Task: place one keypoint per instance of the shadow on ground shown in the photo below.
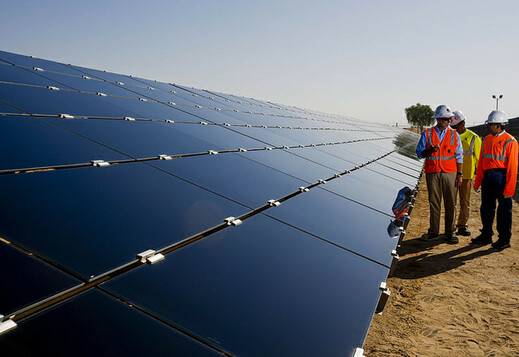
(428, 263)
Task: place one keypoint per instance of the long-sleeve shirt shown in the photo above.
(499, 152)
(422, 144)
(471, 148)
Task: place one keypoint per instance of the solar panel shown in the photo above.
(188, 221)
(258, 288)
(96, 324)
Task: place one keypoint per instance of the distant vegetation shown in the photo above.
(419, 115)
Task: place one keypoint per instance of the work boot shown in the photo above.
(463, 231)
(428, 237)
(500, 244)
(481, 239)
(451, 238)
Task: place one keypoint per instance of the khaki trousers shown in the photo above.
(464, 193)
(441, 185)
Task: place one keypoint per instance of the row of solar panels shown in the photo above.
(265, 227)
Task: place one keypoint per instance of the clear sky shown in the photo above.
(367, 59)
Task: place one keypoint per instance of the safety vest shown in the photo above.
(471, 150)
(494, 155)
(443, 160)
(499, 152)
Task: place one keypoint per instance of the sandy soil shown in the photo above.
(450, 300)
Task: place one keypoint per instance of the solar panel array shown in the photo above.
(146, 217)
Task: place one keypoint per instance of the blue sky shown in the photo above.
(367, 59)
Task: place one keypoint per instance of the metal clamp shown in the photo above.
(120, 83)
(383, 297)
(129, 119)
(150, 257)
(170, 121)
(7, 325)
(52, 88)
(86, 77)
(273, 203)
(198, 106)
(203, 123)
(212, 152)
(100, 163)
(359, 352)
(38, 69)
(66, 116)
(233, 221)
(303, 189)
(242, 150)
(101, 94)
(165, 157)
(172, 103)
(226, 124)
(143, 99)
(323, 182)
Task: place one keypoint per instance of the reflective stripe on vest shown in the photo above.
(500, 157)
(453, 136)
(471, 147)
(429, 136)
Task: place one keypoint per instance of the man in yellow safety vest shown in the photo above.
(471, 148)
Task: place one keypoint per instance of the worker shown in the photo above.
(471, 143)
(496, 175)
(443, 152)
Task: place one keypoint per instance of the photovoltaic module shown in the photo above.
(143, 217)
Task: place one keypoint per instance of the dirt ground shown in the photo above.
(450, 300)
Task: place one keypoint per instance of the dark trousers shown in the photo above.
(492, 188)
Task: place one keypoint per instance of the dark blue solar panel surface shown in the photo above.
(34, 142)
(302, 287)
(26, 280)
(340, 221)
(94, 324)
(99, 218)
(298, 279)
(144, 139)
(37, 100)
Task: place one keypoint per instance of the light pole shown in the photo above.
(497, 100)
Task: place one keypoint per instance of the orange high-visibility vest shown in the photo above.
(499, 152)
(443, 160)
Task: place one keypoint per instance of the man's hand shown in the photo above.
(431, 150)
(459, 181)
(506, 196)
(477, 190)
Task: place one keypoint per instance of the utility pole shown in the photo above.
(497, 100)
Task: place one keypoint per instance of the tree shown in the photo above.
(419, 115)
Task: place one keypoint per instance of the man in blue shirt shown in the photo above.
(443, 166)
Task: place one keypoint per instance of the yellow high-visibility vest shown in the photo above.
(471, 149)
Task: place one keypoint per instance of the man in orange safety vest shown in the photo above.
(443, 152)
(497, 176)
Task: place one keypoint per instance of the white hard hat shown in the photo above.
(443, 111)
(458, 117)
(496, 117)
